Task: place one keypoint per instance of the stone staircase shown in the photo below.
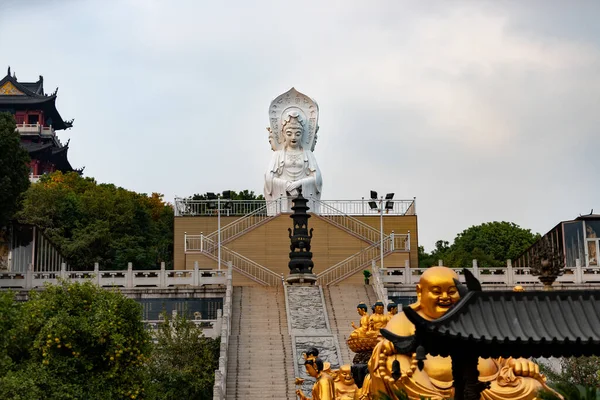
(341, 302)
(260, 363)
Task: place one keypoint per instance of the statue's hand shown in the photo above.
(300, 394)
(293, 185)
(353, 325)
(524, 367)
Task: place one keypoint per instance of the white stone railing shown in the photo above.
(220, 386)
(509, 275)
(378, 284)
(210, 327)
(24, 129)
(129, 278)
(188, 207)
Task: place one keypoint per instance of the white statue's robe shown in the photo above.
(287, 167)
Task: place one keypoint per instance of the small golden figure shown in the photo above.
(344, 384)
(392, 309)
(377, 320)
(363, 328)
(362, 339)
(324, 388)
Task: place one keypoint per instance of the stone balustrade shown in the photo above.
(210, 327)
(129, 278)
(220, 386)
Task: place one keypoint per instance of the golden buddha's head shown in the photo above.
(392, 308)
(313, 366)
(361, 309)
(437, 291)
(378, 307)
(345, 375)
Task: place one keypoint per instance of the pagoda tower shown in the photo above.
(37, 122)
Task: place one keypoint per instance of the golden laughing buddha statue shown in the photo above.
(515, 379)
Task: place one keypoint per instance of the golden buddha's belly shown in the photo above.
(440, 368)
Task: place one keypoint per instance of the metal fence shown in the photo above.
(190, 208)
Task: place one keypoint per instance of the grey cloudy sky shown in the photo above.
(483, 111)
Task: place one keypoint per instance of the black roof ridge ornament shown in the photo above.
(8, 72)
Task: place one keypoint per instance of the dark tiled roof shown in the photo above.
(34, 96)
(526, 324)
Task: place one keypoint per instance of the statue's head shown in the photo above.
(437, 291)
(345, 375)
(361, 308)
(392, 308)
(293, 128)
(313, 366)
(378, 307)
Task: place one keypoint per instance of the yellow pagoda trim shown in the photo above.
(8, 89)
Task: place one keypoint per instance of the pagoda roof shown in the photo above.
(517, 324)
(30, 95)
(52, 153)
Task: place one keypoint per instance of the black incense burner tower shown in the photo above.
(301, 263)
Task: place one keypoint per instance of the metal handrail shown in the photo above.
(241, 225)
(243, 265)
(189, 207)
(343, 220)
(353, 264)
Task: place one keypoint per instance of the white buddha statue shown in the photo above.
(293, 163)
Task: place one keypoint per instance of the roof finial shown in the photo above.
(8, 73)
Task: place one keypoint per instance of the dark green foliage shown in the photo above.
(243, 195)
(183, 363)
(103, 223)
(491, 244)
(73, 341)
(14, 172)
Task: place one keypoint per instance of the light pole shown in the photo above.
(227, 196)
(389, 204)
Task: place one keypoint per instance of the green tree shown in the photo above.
(103, 223)
(14, 172)
(427, 260)
(183, 363)
(490, 243)
(73, 341)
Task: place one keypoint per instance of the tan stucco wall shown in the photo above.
(269, 243)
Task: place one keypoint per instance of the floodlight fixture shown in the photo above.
(211, 205)
(389, 204)
(373, 195)
(226, 194)
(373, 205)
